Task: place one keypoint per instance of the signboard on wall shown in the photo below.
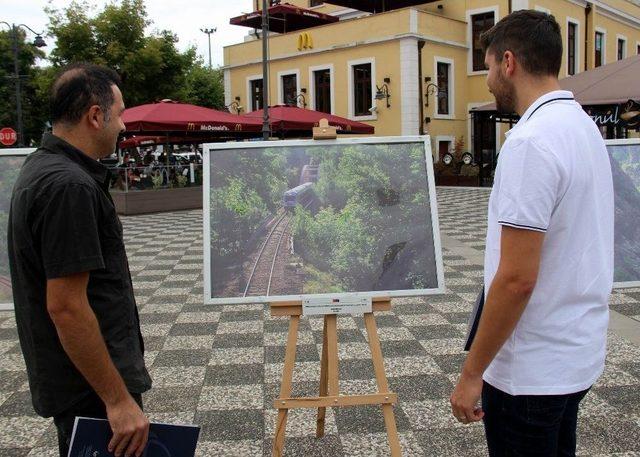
(292, 220)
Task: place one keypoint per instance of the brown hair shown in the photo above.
(532, 36)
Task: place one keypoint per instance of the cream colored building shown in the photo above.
(341, 66)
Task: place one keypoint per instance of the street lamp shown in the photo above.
(39, 43)
(209, 32)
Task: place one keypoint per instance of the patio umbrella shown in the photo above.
(290, 119)
(170, 117)
(284, 18)
(378, 6)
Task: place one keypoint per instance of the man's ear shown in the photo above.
(509, 63)
(95, 117)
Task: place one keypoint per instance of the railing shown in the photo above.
(126, 178)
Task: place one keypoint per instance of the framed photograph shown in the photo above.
(11, 161)
(289, 220)
(625, 167)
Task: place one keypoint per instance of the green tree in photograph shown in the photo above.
(375, 206)
(247, 189)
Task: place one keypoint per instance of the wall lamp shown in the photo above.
(301, 99)
(382, 92)
(431, 89)
(234, 107)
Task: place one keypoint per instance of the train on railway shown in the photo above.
(300, 195)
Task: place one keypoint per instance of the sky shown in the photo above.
(184, 18)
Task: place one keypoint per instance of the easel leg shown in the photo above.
(332, 355)
(383, 385)
(323, 381)
(285, 388)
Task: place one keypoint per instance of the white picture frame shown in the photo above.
(617, 283)
(209, 149)
(9, 152)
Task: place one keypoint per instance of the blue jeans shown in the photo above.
(530, 425)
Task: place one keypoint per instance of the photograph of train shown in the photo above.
(625, 166)
(311, 218)
(9, 169)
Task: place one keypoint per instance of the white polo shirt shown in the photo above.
(554, 176)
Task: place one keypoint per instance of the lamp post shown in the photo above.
(266, 129)
(38, 42)
(209, 32)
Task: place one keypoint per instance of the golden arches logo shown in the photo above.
(305, 41)
(238, 127)
(191, 126)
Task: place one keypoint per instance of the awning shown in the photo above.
(284, 18)
(610, 84)
(170, 116)
(290, 119)
(378, 6)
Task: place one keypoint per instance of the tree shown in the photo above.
(151, 66)
(32, 116)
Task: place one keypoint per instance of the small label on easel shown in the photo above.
(338, 305)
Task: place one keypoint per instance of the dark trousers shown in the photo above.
(530, 425)
(89, 406)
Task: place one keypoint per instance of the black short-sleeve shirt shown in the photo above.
(62, 221)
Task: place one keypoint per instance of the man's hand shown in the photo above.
(130, 428)
(465, 397)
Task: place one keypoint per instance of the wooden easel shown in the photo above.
(329, 390)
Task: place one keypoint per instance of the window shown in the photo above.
(289, 89)
(480, 23)
(322, 89)
(315, 2)
(256, 94)
(444, 75)
(571, 48)
(599, 46)
(362, 93)
(622, 44)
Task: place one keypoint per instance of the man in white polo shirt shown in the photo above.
(541, 341)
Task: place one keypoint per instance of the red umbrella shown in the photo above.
(149, 140)
(169, 116)
(378, 6)
(285, 118)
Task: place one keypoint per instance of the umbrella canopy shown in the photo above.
(290, 118)
(610, 84)
(378, 6)
(284, 18)
(151, 140)
(170, 116)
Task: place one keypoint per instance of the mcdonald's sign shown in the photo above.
(305, 41)
(238, 127)
(191, 126)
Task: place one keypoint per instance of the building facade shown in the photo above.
(427, 59)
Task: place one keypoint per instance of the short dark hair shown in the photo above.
(80, 86)
(534, 38)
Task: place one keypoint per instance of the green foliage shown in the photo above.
(247, 188)
(151, 66)
(372, 198)
(33, 116)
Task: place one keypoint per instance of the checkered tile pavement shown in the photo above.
(220, 366)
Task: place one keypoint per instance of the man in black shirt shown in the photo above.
(75, 310)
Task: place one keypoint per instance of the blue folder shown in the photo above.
(91, 437)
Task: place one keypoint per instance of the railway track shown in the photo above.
(261, 276)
